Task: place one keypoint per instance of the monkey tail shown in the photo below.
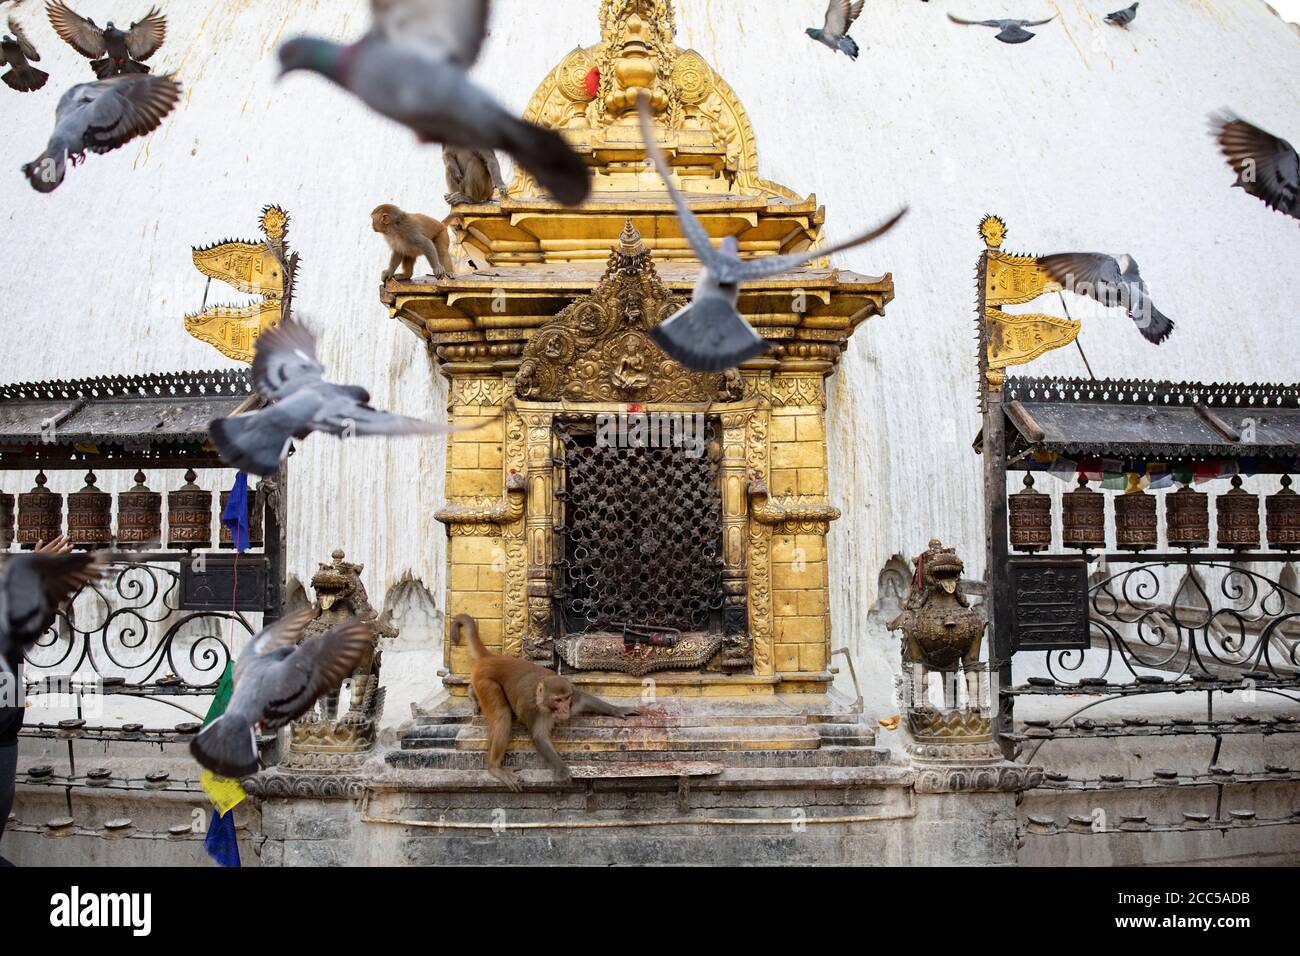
(549, 158)
(47, 171)
(466, 625)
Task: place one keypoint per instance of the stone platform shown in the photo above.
(776, 780)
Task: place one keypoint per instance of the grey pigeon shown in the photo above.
(286, 370)
(277, 679)
(18, 54)
(1267, 166)
(31, 589)
(1112, 282)
(112, 52)
(840, 17)
(709, 335)
(412, 67)
(100, 117)
(1122, 18)
(1009, 31)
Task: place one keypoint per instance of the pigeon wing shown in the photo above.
(146, 36)
(974, 23)
(454, 29)
(695, 233)
(126, 107)
(317, 667)
(1093, 274)
(839, 14)
(1037, 23)
(284, 632)
(63, 575)
(24, 44)
(769, 266)
(1267, 166)
(361, 419)
(81, 33)
(285, 360)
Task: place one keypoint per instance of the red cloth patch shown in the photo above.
(593, 82)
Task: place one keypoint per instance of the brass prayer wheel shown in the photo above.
(1083, 518)
(1030, 515)
(1187, 519)
(1137, 528)
(6, 521)
(90, 517)
(254, 522)
(1284, 518)
(189, 516)
(139, 516)
(1238, 518)
(40, 515)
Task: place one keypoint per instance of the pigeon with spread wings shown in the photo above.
(276, 680)
(1114, 282)
(709, 335)
(19, 55)
(1267, 166)
(100, 117)
(31, 590)
(112, 52)
(286, 371)
(834, 33)
(412, 67)
(1009, 31)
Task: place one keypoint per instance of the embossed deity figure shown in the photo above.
(941, 631)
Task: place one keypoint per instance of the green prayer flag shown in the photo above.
(225, 687)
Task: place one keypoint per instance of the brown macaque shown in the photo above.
(507, 687)
(410, 236)
(473, 175)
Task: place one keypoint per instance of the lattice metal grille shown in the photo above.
(641, 537)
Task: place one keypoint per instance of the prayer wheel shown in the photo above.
(40, 515)
(1238, 518)
(6, 521)
(1030, 514)
(254, 522)
(1284, 518)
(1187, 519)
(90, 517)
(1137, 527)
(139, 516)
(1083, 518)
(189, 516)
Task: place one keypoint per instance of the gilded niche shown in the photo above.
(597, 350)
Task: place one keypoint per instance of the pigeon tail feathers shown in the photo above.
(850, 47)
(226, 747)
(549, 158)
(28, 80)
(708, 335)
(47, 171)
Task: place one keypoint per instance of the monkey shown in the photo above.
(473, 175)
(507, 687)
(410, 236)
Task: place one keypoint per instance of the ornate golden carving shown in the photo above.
(486, 517)
(792, 514)
(484, 392)
(597, 350)
(255, 268)
(798, 391)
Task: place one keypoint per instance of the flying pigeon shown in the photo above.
(840, 17)
(18, 54)
(1267, 166)
(100, 117)
(1009, 31)
(286, 370)
(31, 590)
(1112, 282)
(277, 679)
(709, 335)
(1122, 18)
(412, 67)
(111, 51)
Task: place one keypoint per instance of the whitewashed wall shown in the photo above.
(1088, 137)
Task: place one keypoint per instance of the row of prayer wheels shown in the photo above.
(1137, 525)
(139, 517)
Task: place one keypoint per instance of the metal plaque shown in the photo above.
(1049, 603)
(224, 582)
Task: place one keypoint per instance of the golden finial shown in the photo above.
(274, 222)
(630, 244)
(994, 230)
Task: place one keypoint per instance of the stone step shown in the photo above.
(527, 758)
(595, 734)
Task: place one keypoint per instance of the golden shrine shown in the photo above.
(545, 340)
